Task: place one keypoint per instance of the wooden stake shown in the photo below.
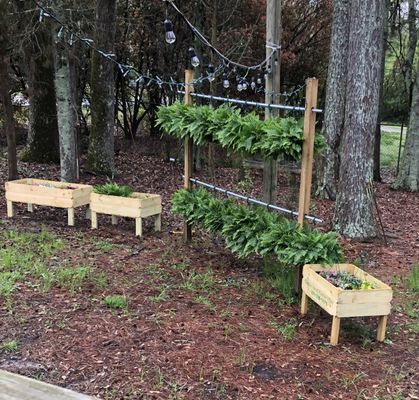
(308, 150)
(188, 157)
(334, 336)
(382, 324)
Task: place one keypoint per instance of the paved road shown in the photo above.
(392, 129)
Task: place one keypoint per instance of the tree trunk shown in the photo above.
(411, 48)
(66, 108)
(101, 141)
(408, 177)
(335, 99)
(9, 123)
(377, 141)
(354, 205)
(43, 144)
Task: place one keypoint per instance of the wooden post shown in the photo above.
(70, 216)
(382, 324)
(334, 335)
(304, 304)
(272, 84)
(10, 211)
(308, 150)
(188, 155)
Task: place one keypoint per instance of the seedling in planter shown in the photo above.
(345, 280)
(116, 301)
(113, 189)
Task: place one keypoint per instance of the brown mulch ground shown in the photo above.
(212, 337)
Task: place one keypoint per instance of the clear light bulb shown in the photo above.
(253, 84)
(244, 85)
(259, 80)
(170, 35)
(226, 82)
(194, 58)
(239, 87)
(211, 73)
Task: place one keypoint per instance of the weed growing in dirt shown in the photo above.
(414, 279)
(196, 281)
(161, 296)
(9, 346)
(104, 246)
(206, 302)
(73, 278)
(286, 330)
(116, 301)
(100, 280)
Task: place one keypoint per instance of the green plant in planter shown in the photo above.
(113, 189)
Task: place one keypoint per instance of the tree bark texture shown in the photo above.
(408, 177)
(101, 140)
(334, 115)
(66, 107)
(42, 144)
(354, 205)
(411, 47)
(9, 123)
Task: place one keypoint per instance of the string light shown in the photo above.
(169, 34)
(226, 82)
(194, 58)
(211, 73)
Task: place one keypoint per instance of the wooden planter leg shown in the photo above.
(10, 212)
(88, 213)
(114, 220)
(334, 336)
(138, 227)
(30, 207)
(381, 331)
(304, 303)
(157, 223)
(94, 219)
(70, 214)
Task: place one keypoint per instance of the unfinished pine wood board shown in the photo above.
(47, 193)
(17, 387)
(342, 303)
(137, 205)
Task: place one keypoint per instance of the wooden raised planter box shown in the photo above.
(137, 205)
(47, 193)
(342, 303)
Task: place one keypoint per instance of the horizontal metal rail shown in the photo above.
(252, 200)
(250, 103)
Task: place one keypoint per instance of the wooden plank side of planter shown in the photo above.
(344, 310)
(148, 211)
(41, 200)
(119, 211)
(326, 296)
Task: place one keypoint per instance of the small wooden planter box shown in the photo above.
(346, 303)
(47, 193)
(138, 206)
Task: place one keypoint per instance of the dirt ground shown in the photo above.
(199, 323)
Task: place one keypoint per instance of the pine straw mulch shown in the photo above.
(201, 324)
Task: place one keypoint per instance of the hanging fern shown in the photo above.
(254, 230)
(246, 134)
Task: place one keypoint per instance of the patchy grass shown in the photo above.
(116, 301)
(389, 151)
(286, 330)
(9, 346)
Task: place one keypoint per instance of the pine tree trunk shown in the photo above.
(335, 99)
(408, 177)
(66, 107)
(43, 128)
(9, 123)
(101, 140)
(411, 47)
(354, 205)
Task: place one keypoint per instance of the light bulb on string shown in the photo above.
(253, 84)
(194, 58)
(211, 73)
(239, 87)
(226, 82)
(259, 80)
(244, 84)
(169, 34)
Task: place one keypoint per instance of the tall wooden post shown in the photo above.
(188, 155)
(272, 84)
(308, 149)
